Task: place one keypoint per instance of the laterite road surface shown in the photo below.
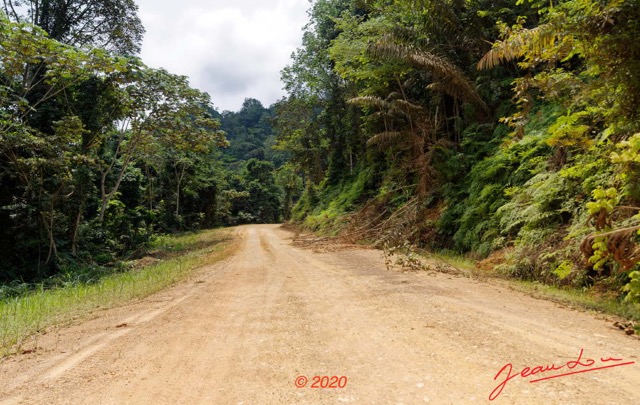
(249, 329)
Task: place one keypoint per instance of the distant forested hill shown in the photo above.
(250, 133)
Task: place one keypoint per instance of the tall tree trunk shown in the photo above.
(103, 188)
(75, 231)
(48, 224)
(179, 178)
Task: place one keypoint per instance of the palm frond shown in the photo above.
(408, 106)
(532, 42)
(386, 138)
(446, 88)
(386, 47)
(370, 101)
(392, 107)
(394, 95)
(436, 65)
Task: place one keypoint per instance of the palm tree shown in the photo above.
(409, 125)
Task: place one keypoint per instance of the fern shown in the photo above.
(567, 132)
(533, 44)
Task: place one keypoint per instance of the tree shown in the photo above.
(257, 198)
(39, 162)
(108, 24)
(291, 184)
(79, 128)
(158, 107)
(249, 130)
(316, 117)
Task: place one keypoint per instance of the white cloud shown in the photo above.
(232, 50)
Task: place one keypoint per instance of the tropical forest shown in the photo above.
(504, 132)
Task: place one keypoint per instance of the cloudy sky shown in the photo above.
(231, 49)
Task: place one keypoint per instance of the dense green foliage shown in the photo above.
(99, 153)
(256, 182)
(406, 125)
(250, 134)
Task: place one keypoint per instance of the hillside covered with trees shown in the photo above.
(505, 130)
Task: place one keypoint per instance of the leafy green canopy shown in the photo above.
(112, 25)
(97, 153)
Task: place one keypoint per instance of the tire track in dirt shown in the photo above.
(273, 312)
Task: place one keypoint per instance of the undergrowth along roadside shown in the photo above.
(581, 299)
(24, 316)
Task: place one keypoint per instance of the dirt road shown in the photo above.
(246, 329)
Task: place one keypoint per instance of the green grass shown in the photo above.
(580, 299)
(31, 313)
(455, 260)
